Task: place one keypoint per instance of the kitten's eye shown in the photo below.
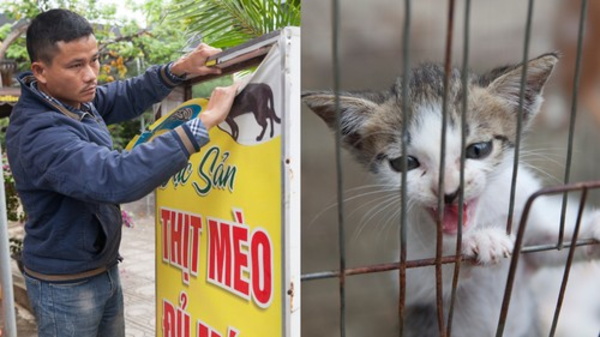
(479, 150)
(411, 163)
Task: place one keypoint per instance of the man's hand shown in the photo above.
(193, 63)
(219, 104)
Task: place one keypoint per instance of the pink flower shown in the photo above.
(127, 219)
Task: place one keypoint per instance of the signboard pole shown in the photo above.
(6, 285)
(291, 210)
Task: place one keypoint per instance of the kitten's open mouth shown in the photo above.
(450, 218)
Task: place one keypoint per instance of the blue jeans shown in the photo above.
(89, 308)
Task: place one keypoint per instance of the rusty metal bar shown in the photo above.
(511, 209)
(575, 96)
(563, 286)
(580, 186)
(545, 248)
(403, 192)
(513, 265)
(378, 268)
(338, 162)
(461, 196)
(441, 190)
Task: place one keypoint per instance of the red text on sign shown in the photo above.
(176, 321)
(181, 239)
(204, 330)
(240, 261)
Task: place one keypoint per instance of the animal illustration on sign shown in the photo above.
(256, 98)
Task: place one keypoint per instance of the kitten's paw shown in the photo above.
(488, 246)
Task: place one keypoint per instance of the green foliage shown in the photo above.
(3, 126)
(17, 51)
(204, 89)
(227, 23)
(22, 9)
(13, 211)
(122, 133)
(17, 10)
(125, 46)
(13, 203)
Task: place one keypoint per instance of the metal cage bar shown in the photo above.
(575, 95)
(569, 263)
(439, 291)
(463, 141)
(513, 189)
(338, 163)
(404, 205)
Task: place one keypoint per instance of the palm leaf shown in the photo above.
(226, 23)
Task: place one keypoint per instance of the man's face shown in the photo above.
(71, 77)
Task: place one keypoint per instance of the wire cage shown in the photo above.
(343, 272)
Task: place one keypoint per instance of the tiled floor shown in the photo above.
(137, 277)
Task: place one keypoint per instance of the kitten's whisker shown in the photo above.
(348, 199)
(390, 221)
(362, 195)
(370, 202)
(543, 154)
(374, 212)
(383, 187)
(554, 149)
(552, 178)
(367, 204)
(363, 224)
(537, 156)
(546, 152)
(320, 213)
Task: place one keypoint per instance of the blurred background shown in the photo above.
(371, 58)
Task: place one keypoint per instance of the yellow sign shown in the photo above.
(218, 235)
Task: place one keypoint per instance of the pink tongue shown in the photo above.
(450, 220)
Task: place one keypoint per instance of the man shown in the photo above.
(71, 181)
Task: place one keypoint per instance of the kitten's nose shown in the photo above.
(450, 198)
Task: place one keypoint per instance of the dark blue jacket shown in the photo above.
(71, 181)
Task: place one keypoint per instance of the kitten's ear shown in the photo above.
(355, 109)
(508, 84)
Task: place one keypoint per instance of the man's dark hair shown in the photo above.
(53, 26)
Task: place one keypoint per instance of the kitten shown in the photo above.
(371, 124)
